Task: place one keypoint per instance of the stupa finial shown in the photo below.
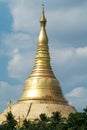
(43, 19)
(43, 6)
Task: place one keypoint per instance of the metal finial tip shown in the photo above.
(43, 6)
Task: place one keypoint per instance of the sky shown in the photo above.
(67, 32)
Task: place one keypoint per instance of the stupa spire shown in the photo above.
(42, 66)
(42, 85)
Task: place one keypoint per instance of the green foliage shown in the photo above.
(26, 124)
(41, 123)
(43, 117)
(10, 123)
(85, 110)
(57, 122)
(75, 121)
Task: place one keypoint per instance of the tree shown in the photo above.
(27, 125)
(56, 121)
(10, 121)
(85, 110)
(77, 121)
(41, 123)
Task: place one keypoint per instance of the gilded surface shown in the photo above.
(42, 85)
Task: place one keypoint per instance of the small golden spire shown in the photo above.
(43, 36)
(43, 19)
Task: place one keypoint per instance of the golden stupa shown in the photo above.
(42, 92)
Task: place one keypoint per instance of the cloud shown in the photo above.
(9, 92)
(69, 26)
(24, 15)
(77, 92)
(72, 56)
(18, 40)
(64, 55)
(78, 97)
(19, 65)
(64, 4)
(82, 52)
(64, 21)
(20, 49)
(66, 18)
(69, 65)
